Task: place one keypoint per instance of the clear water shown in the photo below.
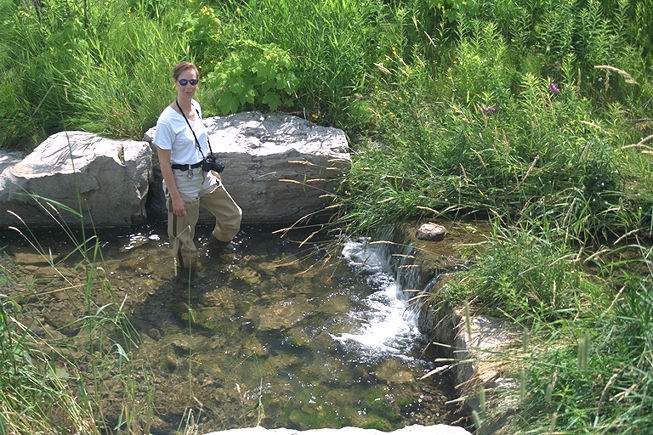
(267, 332)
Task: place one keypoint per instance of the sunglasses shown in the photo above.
(184, 82)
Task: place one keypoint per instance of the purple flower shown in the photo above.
(553, 87)
(489, 109)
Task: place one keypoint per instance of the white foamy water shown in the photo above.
(139, 239)
(385, 323)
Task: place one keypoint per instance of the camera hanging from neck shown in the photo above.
(197, 142)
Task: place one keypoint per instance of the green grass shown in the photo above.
(34, 394)
(528, 278)
(450, 111)
(587, 361)
(55, 380)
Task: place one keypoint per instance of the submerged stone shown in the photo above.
(393, 371)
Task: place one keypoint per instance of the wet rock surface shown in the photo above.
(430, 231)
(251, 339)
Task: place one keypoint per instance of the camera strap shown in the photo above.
(197, 142)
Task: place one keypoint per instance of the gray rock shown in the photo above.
(9, 158)
(431, 231)
(479, 363)
(278, 168)
(108, 179)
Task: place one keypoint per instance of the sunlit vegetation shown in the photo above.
(535, 115)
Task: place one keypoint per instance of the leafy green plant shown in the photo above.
(253, 75)
(203, 29)
(332, 44)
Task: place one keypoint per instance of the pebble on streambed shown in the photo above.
(431, 232)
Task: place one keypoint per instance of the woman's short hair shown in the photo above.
(181, 67)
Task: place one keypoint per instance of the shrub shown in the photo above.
(253, 76)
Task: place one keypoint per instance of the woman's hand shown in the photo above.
(178, 206)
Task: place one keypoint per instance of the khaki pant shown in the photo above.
(198, 188)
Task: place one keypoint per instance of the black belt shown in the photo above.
(186, 167)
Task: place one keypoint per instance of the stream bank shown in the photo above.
(470, 341)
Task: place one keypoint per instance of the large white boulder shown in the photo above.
(278, 167)
(416, 429)
(107, 180)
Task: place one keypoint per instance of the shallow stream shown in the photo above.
(265, 332)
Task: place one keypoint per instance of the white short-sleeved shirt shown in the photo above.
(172, 133)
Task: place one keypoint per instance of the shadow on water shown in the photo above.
(265, 332)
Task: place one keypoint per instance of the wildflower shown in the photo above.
(553, 87)
(315, 116)
(489, 109)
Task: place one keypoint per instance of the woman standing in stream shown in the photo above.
(191, 175)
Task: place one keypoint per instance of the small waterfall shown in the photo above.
(388, 322)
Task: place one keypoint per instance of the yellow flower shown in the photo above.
(315, 116)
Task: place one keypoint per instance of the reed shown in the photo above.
(586, 362)
(51, 387)
(35, 396)
(536, 116)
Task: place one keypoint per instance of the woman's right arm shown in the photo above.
(178, 206)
